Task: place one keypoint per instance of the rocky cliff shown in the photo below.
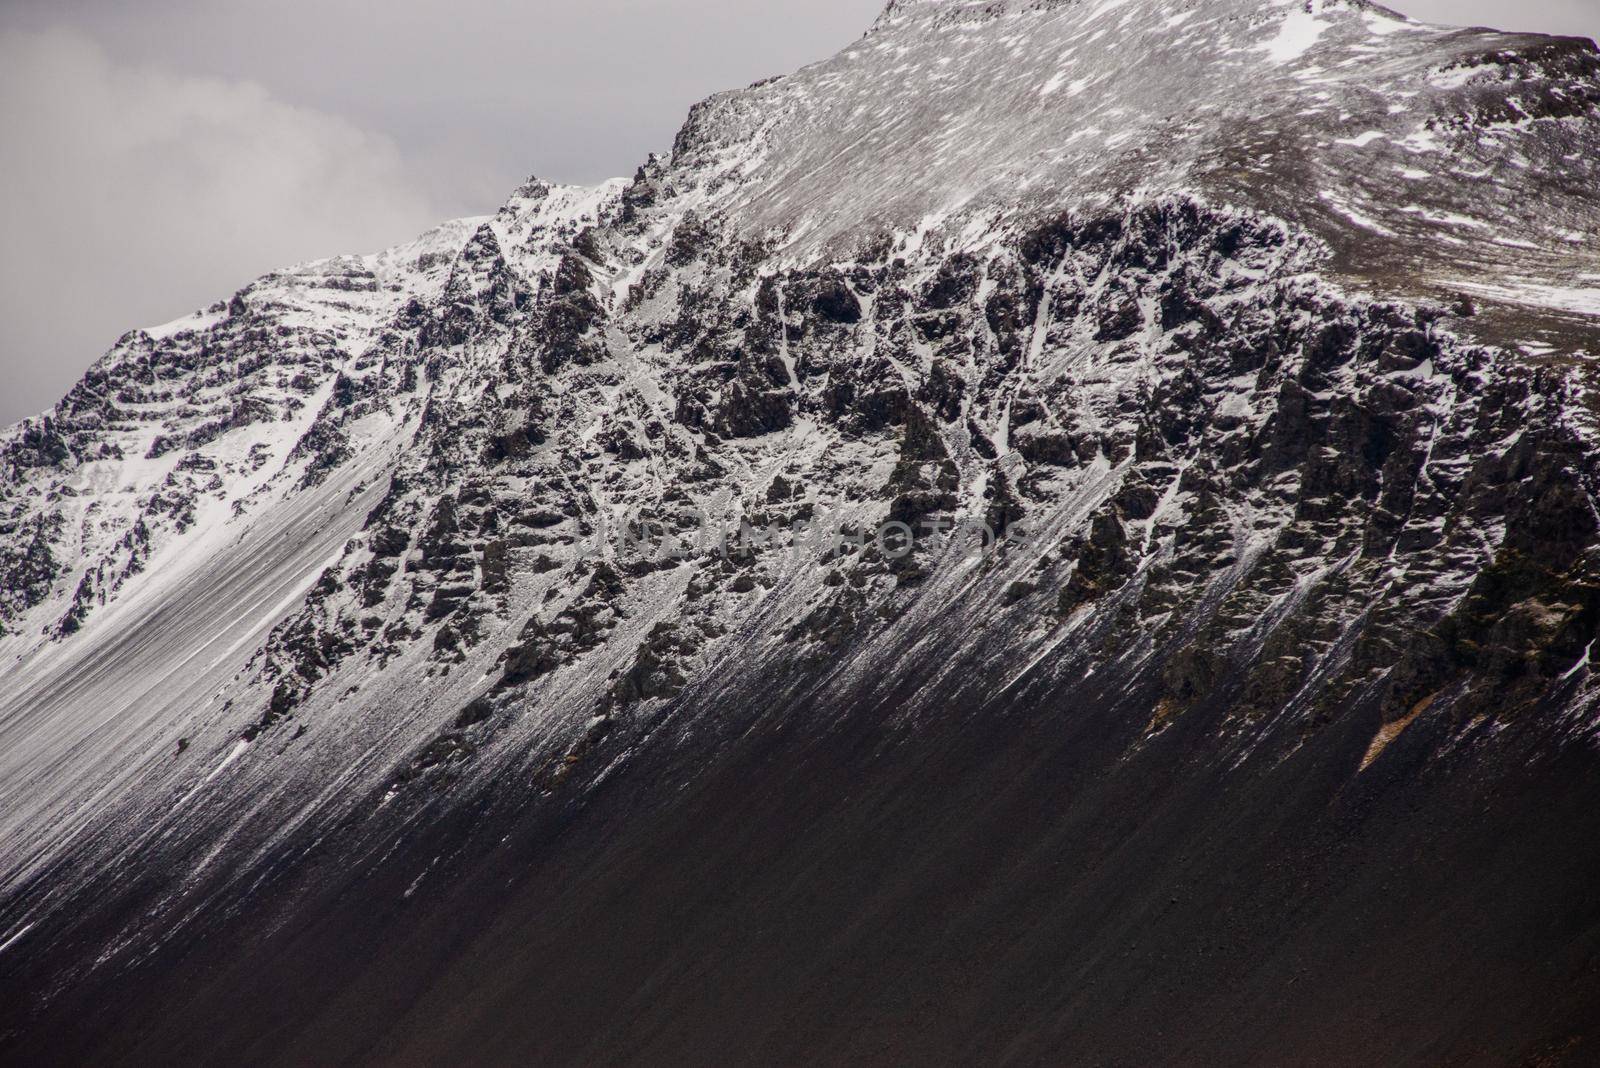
(1066, 532)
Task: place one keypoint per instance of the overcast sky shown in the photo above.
(156, 156)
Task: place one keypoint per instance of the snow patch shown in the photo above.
(1382, 24)
(1445, 218)
(1300, 31)
(233, 755)
(200, 320)
(1560, 298)
(1423, 140)
(1366, 222)
(1363, 140)
(14, 939)
(1454, 79)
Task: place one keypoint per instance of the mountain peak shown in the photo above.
(1111, 484)
(1310, 110)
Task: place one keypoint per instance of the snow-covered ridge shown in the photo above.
(987, 112)
(191, 488)
(1177, 285)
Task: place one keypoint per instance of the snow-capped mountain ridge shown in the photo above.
(309, 573)
(1100, 99)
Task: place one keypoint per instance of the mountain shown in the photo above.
(501, 649)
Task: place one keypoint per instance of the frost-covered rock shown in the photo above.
(1259, 333)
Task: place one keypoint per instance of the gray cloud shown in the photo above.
(132, 195)
(1579, 18)
(156, 156)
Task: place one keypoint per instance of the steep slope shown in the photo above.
(492, 648)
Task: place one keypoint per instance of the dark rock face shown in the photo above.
(544, 687)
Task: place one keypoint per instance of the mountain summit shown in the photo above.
(1065, 533)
